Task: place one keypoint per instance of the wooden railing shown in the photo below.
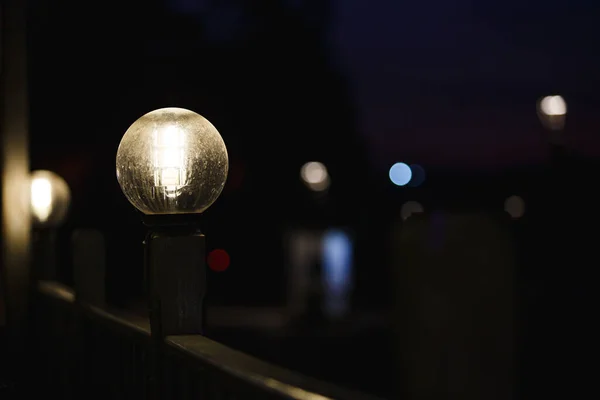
(90, 352)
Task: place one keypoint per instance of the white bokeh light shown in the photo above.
(552, 112)
(553, 105)
(314, 175)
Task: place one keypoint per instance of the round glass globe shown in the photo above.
(50, 198)
(172, 161)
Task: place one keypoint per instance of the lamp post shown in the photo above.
(50, 200)
(172, 165)
(552, 112)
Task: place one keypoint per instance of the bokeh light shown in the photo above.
(50, 198)
(400, 174)
(218, 260)
(410, 208)
(552, 112)
(515, 206)
(337, 262)
(315, 176)
(41, 198)
(553, 105)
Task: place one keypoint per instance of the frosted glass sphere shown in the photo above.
(50, 198)
(172, 161)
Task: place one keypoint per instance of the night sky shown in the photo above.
(456, 82)
(474, 70)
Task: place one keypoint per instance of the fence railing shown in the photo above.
(89, 352)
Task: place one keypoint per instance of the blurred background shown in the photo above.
(365, 139)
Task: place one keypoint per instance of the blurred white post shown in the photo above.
(16, 222)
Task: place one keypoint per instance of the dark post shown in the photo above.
(89, 266)
(89, 275)
(177, 272)
(44, 254)
(454, 279)
(175, 263)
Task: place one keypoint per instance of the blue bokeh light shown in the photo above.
(337, 265)
(400, 174)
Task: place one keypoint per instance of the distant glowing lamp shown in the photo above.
(50, 198)
(552, 111)
(172, 165)
(315, 176)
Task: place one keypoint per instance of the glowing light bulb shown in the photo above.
(172, 161)
(50, 198)
(169, 164)
(41, 198)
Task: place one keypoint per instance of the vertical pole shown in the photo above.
(176, 268)
(455, 307)
(89, 273)
(89, 266)
(44, 254)
(15, 169)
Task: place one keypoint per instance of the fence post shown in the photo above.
(44, 254)
(89, 266)
(454, 315)
(176, 268)
(89, 272)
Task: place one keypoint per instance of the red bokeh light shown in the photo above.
(218, 260)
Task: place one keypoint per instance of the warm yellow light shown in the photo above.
(41, 198)
(169, 150)
(50, 198)
(172, 161)
(314, 175)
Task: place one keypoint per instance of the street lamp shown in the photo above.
(552, 112)
(50, 198)
(172, 165)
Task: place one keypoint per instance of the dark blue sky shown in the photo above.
(395, 51)
(442, 81)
